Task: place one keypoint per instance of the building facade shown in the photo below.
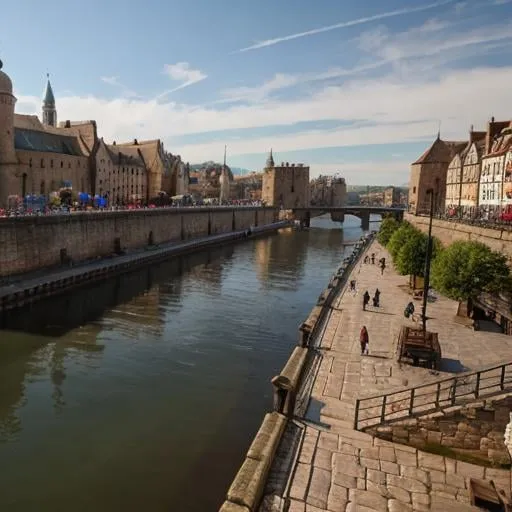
(34, 159)
(392, 196)
(429, 172)
(286, 185)
(328, 191)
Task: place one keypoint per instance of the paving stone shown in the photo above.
(353, 507)
(469, 470)
(455, 480)
(398, 506)
(399, 494)
(369, 499)
(349, 449)
(312, 508)
(361, 484)
(338, 498)
(431, 461)
(370, 463)
(447, 489)
(350, 482)
(420, 499)
(328, 441)
(387, 453)
(389, 467)
(297, 506)
(377, 477)
(300, 482)
(370, 453)
(323, 459)
(378, 489)
(318, 491)
(406, 483)
(415, 474)
(406, 458)
(437, 476)
(308, 449)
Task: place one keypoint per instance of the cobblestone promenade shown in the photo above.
(336, 468)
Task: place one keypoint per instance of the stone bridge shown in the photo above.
(338, 213)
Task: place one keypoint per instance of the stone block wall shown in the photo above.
(32, 243)
(447, 232)
(476, 429)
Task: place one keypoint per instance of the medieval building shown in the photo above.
(34, 158)
(286, 185)
(328, 191)
(429, 172)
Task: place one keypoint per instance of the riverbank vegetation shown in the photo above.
(460, 271)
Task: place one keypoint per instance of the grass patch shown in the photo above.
(445, 451)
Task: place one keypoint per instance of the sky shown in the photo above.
(357, 87)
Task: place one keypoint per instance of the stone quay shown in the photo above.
(321, 458)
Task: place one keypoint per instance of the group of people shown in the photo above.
(371, 259)
(376, 299)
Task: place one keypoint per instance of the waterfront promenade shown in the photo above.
(336, 468)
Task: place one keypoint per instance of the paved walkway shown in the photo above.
(338, 469)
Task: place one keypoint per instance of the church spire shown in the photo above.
(49, 110)
(270, 160)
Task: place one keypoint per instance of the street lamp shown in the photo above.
(428, 258)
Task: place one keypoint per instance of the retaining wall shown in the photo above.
(32, 243)
(476, 429)
(498, 239)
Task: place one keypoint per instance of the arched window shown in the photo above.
(61, 164)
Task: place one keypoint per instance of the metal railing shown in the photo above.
(427, 398)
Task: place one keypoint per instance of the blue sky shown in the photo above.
(359, 87)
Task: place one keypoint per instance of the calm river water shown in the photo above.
(144, 392)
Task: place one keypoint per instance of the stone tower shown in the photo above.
(224, 181)
(8, 159)
(49, 110)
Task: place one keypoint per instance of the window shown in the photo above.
(42, 163)
(51, 164)
(41, 188)
(61, 164)
(30, 163)
(414, 190)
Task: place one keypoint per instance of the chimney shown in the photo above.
(135, 141)
(68, 124)
(488, 136)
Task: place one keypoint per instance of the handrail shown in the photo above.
(461, 387)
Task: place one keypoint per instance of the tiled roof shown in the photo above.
(28, 122)
(35, 140)
(128, 155)
(441, 151)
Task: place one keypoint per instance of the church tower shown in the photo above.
(8, 159)
(49, 110)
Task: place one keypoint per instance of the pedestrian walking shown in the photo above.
(373, 258)
(366, 299)
(376, 298)
(382, 266)
(364, 340)
(353, 285)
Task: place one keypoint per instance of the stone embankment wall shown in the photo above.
(246, 491)
(498, 239)
(476, 429)
(32, 243)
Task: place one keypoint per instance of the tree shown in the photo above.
(399, 238)
(387, 227)
(412, 255)
(465, 269)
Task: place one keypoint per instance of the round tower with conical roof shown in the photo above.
(8, 160)
(49, 109)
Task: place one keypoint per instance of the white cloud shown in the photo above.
(345, 24)
(114, 81)
(182, 72)
(404, 110)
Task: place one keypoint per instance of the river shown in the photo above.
(143, 392)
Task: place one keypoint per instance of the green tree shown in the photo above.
(464, 269)
(412, 254)
(399, 238)
(387, 227)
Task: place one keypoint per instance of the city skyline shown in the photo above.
(359, 89)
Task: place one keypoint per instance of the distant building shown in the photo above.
(463, 175)
(285, 185)
(495, 184)
(328, 191)
(392, 196)
(430, 172)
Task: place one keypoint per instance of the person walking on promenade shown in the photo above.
(376, 298)
(366, 299)
(373, 258)
(364, 340)
(353, 286)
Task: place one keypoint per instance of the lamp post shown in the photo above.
(426, 280)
